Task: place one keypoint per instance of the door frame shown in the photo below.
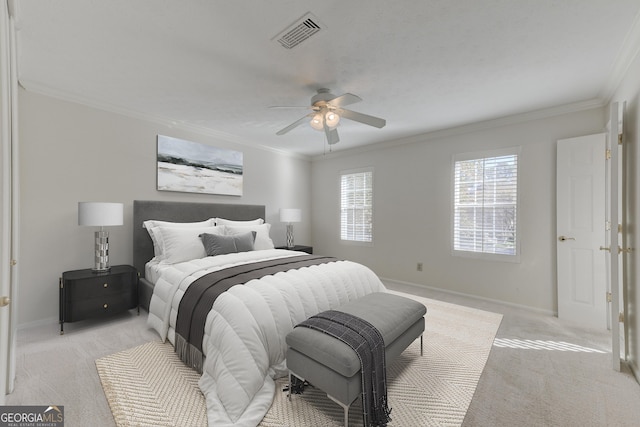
(616, 243)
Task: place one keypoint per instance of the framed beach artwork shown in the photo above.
(198, 168)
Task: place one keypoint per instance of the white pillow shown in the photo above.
(151, 223)
(222, 221)
(263, 241)
(181, 244)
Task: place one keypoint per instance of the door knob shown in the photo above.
(563, 238)
(4, 301)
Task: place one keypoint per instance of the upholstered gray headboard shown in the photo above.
(180, 212)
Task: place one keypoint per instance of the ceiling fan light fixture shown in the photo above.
(332, 119)
(327, 112)
(317, 122)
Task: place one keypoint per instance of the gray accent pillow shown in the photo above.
(244, 242)
(215, 244)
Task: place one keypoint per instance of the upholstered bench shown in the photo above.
(332, 366)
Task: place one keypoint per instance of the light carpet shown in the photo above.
(149, 385)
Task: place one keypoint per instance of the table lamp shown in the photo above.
(100, 214)
(290, 216)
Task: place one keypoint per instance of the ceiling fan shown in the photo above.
(327, 111)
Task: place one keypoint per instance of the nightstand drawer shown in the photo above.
(100, 306)
(99, 286)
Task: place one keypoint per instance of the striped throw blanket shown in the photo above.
(368, 344)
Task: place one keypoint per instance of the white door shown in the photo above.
(4, 239)
(7, 123)
(580, 205)
(614, 242)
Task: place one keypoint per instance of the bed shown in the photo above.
(243, 332)
(177, 212)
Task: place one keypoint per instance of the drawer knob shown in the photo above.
(105, 285)
(105, 306)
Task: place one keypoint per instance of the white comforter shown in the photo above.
(245, 331)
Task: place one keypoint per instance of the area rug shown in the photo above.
(149, 385)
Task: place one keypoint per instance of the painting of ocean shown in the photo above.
(198, 168)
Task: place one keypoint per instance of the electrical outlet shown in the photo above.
(419, 266)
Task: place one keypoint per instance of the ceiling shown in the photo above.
(423, 65)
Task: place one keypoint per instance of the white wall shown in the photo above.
(629, 91)
(71, 153)
(412, 210)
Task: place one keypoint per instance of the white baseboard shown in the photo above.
(475, 297)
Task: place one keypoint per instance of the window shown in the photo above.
(485, 204)
(356, 206)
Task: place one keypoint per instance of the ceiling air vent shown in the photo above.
(299, 31)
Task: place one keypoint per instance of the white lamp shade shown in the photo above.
(317, 122)
(100, 214)
(332, 119)
(290, 215)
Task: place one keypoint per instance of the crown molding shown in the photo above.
(34, 87)
(458, 130)
(626, 55)
(471, 127)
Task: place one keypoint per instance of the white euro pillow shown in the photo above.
(222, 221)
(150, 224)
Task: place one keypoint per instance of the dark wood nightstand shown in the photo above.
(87, 294)
(301, 248)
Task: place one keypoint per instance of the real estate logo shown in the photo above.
(32, 416)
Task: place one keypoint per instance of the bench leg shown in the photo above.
(291, 375)
(345, 408)
(421, 353)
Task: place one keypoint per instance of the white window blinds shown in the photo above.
(485, 205)
(356, 206)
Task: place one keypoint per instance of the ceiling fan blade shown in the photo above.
(332, 135)
(287, 106)
(362, 118)
(294, 124)
(345, 99)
